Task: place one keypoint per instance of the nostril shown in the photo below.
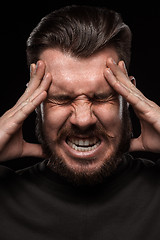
(82, 123)
(83, 130)
(82, 118)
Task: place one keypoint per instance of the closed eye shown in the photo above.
(96, 99)
(102, 98)
(60, 99)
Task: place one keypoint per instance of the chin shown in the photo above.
(84, 171)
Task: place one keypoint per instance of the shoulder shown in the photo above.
(144, 168)
(141, 162)
(6, 173)
(34, 170)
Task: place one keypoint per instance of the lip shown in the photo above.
(82, 155)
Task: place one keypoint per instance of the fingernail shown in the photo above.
(109, 70)
(37, 65)
(124, 65)
(31, 68)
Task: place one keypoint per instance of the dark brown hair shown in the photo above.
(80, 31)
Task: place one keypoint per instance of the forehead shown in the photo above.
(75, 76)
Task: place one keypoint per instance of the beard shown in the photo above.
(58, 165)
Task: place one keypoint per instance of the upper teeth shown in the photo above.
(84, 142)
(83, 145)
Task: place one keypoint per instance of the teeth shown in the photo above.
(83, 145)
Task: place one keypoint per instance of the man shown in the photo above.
(88, 186)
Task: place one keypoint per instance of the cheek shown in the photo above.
(54, 117)
(109, 116)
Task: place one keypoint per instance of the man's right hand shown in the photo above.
(12, 144)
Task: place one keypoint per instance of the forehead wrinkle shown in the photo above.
(90, 94)
(76, 87)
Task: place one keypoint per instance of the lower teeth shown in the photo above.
(83, 149)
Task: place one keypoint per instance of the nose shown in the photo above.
(82, 115)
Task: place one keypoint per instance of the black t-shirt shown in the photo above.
(36, 204)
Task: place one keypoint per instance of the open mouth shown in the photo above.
(83, 145)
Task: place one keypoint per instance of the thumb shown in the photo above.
(32, 150)
(136, 145)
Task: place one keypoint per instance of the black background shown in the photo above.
(17, 21)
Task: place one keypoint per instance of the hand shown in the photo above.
(147, 111)
(12, 144)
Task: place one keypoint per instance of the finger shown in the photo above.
(143, 107)
(38, 95)
(122, 84)
(122, 87)
(129, 93)
(120, 72)
(42, 88)
(136, 145)
(32, 70)
(37, 74)
(28, 107)
(31, 149)
(11, 124)
(123, 68)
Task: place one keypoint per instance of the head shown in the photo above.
(83, 125)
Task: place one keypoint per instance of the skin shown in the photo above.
(43, 84)
(89, 100)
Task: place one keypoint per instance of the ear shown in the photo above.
(133, 80)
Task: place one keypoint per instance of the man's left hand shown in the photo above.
(147, 111)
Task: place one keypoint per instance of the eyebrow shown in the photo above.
(104, 95)
(101, 95)
(66, 97)
(61, 97)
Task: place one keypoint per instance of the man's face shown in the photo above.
(82, 117)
